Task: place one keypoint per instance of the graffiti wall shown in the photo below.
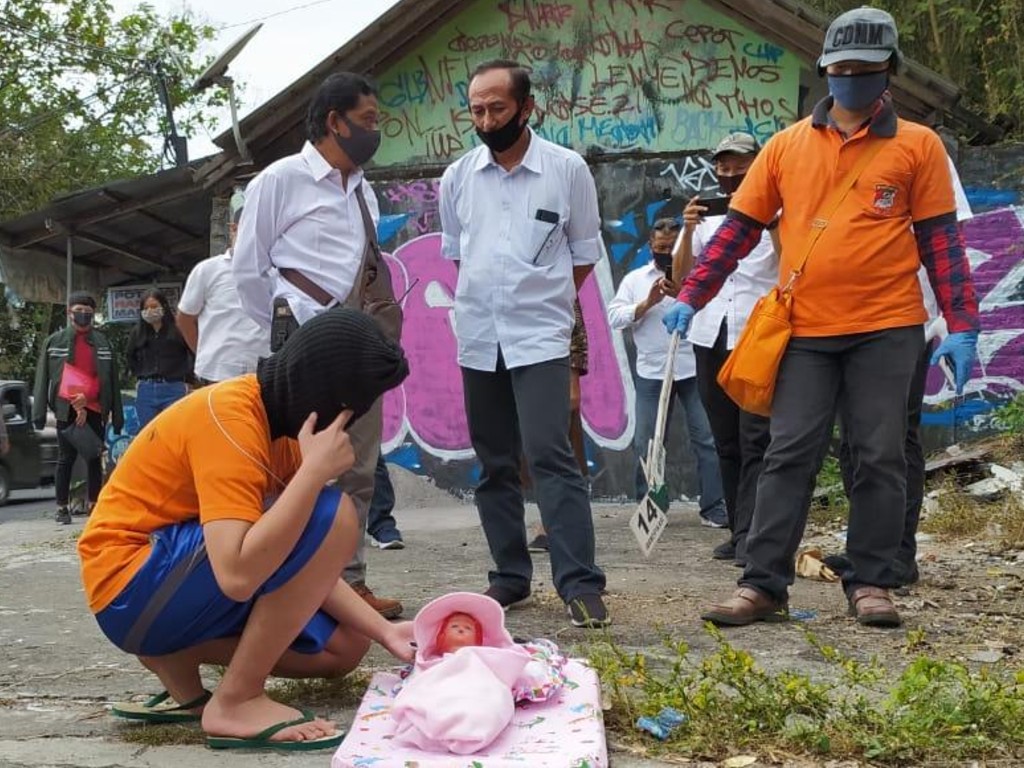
(609, 76)
(617, 77)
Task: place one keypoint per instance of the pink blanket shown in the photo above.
(566, 731)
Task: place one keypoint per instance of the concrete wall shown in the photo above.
(639, 87)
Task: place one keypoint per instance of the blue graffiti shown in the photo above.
(764, 51)
(407, 456)
(962, 413)
(987, 198)
(390, 225)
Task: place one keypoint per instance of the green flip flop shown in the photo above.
(161, 709)
(262, 740)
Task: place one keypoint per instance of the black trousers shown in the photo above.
(866, 377)
(741, 440)
(66, 456)
(524, 412)
(906, 557)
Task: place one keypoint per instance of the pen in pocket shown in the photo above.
(549, 217)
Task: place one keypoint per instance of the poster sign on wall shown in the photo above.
(123, 301)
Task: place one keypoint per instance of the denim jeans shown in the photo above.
(380, 517)
(153, 397)
(648, 391)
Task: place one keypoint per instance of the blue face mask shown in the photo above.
(857, 92)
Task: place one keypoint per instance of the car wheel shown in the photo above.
(5, 485)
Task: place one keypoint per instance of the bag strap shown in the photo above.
(371, 253)
(825, 214)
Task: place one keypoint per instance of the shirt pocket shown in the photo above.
(886, 195)
(544, 241)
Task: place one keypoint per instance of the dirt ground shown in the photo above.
(57, 673)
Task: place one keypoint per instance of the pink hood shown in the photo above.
(484, 609)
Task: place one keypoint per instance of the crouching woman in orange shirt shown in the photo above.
(216, 542)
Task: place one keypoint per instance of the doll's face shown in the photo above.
(460, 630)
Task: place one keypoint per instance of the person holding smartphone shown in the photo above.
(741, 438)
(643, 298)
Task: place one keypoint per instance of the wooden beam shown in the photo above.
(120, 199)
(129, 206)
(118, 248)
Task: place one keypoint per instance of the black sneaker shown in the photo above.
(724, 551)
(509, 598)
(588, 611)
(63, 516)
(539, 543)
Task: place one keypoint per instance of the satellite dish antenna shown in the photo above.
(216, 74)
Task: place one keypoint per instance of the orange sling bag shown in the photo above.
(749, 373)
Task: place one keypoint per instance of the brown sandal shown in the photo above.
(873, 607)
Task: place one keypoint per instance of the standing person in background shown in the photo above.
(578, 364)
(158, 357)
(741, 438)
(643, 298)
(309, 226)
(226, 342)
(82, 353)
(520, 216)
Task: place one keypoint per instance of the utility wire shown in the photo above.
(272, 15)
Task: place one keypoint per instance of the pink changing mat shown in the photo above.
(564, 732)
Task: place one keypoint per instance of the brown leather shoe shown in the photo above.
(746, 606)
(873, 607)
(385, 606)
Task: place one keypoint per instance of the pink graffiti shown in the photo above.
(428, 407)
(996, 243)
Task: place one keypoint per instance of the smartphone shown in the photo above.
(716, 206)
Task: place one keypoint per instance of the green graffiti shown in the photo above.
(609, 75)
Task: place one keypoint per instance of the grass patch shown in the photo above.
(961, 515)
(336, 691)
(161, 735)
(932, 711)
(830, 505)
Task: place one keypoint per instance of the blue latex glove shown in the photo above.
(961, 350)
(678, 318)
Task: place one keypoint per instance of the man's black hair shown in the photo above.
(82, 297)
(520, 76)
(339, 92)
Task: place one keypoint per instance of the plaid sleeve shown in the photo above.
(941, 245)
(737, 237)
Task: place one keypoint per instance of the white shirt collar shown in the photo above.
(531, 160)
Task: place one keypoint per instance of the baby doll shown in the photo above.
(468, 675)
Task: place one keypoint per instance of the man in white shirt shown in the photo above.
(520, 217)
(308, 227)
(644, 295)
(224, 339)
(741, 438)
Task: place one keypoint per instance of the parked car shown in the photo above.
(31, 461)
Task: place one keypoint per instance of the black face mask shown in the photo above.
(663, 261)
(504, 137)
(729, 184)
(82, 319)
(360, 145)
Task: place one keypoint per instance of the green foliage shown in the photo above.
(1010, 418)
(21, 333)
(78, 98)
(933, 710)
(978, 44)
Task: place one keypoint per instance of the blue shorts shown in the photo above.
(174, 602)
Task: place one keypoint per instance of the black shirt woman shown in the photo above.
(158, 357)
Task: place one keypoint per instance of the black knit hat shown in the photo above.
(338, 360)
